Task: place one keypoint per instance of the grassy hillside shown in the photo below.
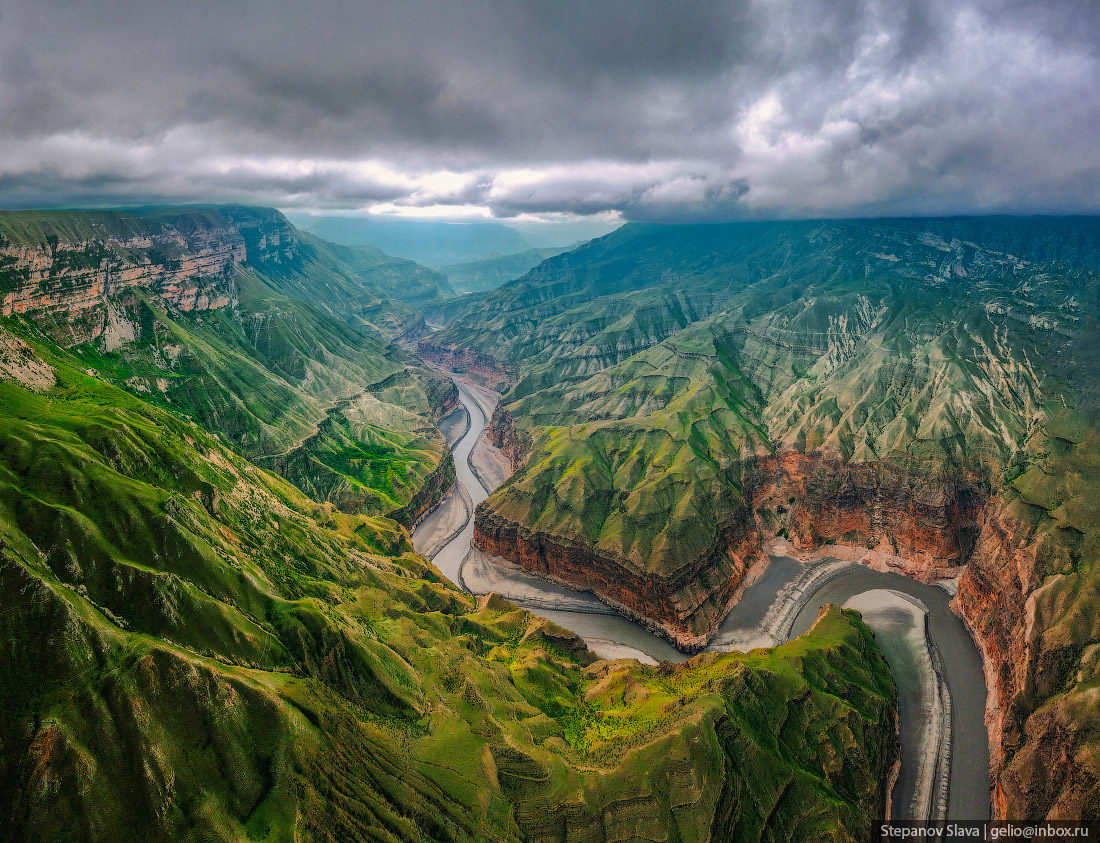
(362, 286)
(336, 409)
(344, 415)
(196, 650)
(632, 383)
(894, 384)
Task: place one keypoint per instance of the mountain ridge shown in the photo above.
(677, 395)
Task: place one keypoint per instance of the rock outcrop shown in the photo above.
(931, 522)
(188, 262)
(685, 609)
(512, 442)
(481, 367)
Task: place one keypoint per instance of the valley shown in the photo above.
(956, 778)
(216, 624)
(909, 391)
(587, 546)
(513, 422)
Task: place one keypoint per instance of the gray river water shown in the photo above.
(610, 635)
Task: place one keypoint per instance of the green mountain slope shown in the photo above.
(193, 649)
(363, 286)
(336, 409)
(679, 394)
(489, 273)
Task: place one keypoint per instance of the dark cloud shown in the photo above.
(651, 109)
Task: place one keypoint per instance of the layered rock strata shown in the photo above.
(931, 523)
(686, 610)
(479, 366)
(190, 269)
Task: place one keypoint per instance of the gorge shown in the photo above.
(671, 441)
(796, 591)
(919, 393)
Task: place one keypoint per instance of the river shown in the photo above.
(782, 601)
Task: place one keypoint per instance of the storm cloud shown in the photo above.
(520, 108)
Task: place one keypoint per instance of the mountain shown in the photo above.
(195, 648)
(182, 308)
(360, 285)
(489, 273)
(927, 389)
(431, 243)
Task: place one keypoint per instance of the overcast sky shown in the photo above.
(549, 108)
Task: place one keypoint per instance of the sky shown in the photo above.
(528, 110)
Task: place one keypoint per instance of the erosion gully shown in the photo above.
(944, 772)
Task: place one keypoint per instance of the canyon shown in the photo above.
(216, 624)
(919, 395)
(674, 400)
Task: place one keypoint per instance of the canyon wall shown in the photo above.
(190, 268)
(932, 522)
(928, 525)
(513, 442)
(685, 610)
(481, 367)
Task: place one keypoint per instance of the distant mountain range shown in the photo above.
(489, 273)
(431, 243)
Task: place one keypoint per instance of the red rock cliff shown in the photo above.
(481, 367)
(685, 610)
(931, 522)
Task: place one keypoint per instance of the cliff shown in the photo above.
(194, 309)
(194, 648)
(685, 609)
(52, 266)
(930, 521)
(482, 367)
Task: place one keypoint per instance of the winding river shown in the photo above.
(941, 684)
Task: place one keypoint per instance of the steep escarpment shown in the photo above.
(477, 365)
(684, 607)
(1030, 594)
(336, 409)
(932, 522)
(893, 385)
(194, 648)
(512, 441)
(66, 267)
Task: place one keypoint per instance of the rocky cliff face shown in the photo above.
(481, 367)
(931, 522)
(512, 442)
(187, 263)
(686, 610)
(992, 598)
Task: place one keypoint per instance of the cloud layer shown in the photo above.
(647, 109)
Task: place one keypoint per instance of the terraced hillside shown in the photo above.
(184, 308)
(927, 389)
(194, 649)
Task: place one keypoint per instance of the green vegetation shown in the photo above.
(336, 409)
(660, 366)
(655, 363)
(194, 649)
